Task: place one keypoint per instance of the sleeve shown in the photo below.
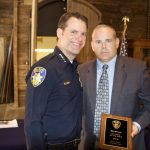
(144, 94)
(39, 88)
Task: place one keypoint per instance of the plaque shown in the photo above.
(115, 132)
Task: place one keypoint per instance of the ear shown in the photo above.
(92, 45)
(59, 33)
(117, 42)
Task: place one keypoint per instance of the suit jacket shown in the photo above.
(130, 96)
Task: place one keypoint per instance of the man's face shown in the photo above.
(104, 43)
(72, 39)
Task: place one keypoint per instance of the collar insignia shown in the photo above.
(62, 57)
(38, 75)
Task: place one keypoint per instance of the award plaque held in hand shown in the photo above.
(115, 132)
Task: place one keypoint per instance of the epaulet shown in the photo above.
(46, 59)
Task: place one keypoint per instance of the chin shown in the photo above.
(76, 51)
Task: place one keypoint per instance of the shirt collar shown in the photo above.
(109, 63)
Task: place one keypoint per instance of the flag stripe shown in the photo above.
(124, 47)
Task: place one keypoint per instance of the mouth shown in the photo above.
(77, 45)
(104, 52)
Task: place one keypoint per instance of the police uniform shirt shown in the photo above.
(53, 101)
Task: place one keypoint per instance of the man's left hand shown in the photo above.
(134, 130)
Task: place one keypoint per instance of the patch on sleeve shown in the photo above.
(38, 75)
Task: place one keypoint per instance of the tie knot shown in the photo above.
(105, 67)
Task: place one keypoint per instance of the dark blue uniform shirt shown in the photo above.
(53, 101)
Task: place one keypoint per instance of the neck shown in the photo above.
(70, 56)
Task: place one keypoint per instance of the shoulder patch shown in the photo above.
(38, 75)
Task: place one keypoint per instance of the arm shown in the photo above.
(36, 105)
(143, 118)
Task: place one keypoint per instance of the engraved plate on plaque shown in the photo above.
(115, 132)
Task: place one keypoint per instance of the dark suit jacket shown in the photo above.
(130, 96)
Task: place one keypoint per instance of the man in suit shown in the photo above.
(129, 87)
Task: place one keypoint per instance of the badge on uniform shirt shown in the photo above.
(38, 75)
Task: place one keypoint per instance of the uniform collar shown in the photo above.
(63, 58)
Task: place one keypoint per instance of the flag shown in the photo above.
(124, 46)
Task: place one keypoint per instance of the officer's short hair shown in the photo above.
(62, 23)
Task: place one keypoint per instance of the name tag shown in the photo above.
(66, 82)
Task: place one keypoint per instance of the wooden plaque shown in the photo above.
(115, 132)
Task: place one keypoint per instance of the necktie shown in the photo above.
(102, 99)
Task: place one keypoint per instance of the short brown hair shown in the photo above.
(106, 26)
(62, 23)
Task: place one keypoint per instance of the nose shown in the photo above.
(103, 45)
(79, 37)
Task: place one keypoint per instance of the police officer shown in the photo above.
(54, 94)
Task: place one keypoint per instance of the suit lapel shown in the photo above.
(119, 80)
(91, 85)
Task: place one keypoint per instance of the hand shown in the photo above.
(134, 130)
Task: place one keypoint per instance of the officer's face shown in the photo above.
(104, 43)
(72, 39)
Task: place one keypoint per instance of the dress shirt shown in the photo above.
(110, 72)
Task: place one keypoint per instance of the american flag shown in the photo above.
(124, 46)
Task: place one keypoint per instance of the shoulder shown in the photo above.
(42, 66)
(86, 65)
(131, 61)
(131, 65)
(45, 61)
